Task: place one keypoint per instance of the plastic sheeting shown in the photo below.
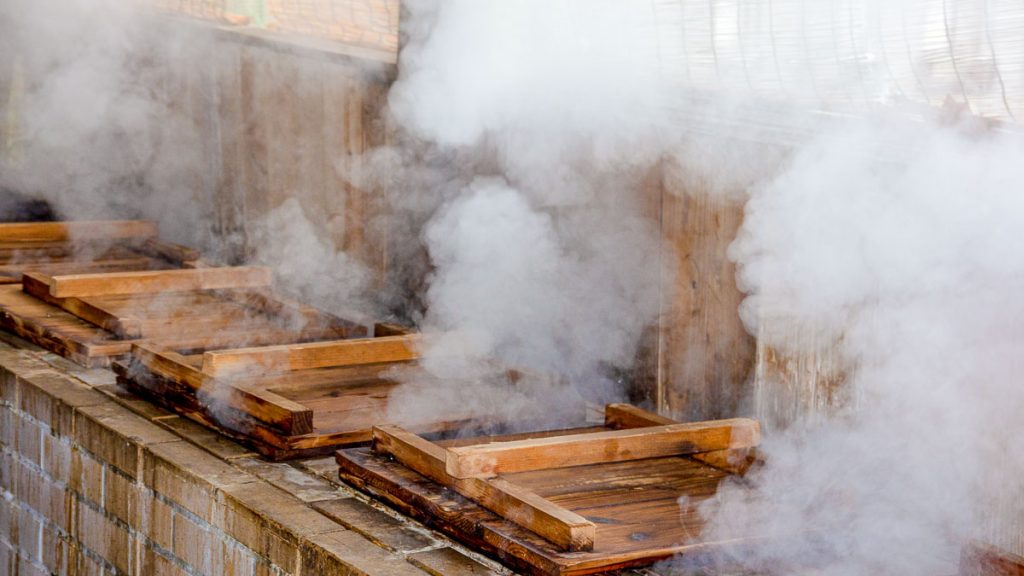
(850, 54)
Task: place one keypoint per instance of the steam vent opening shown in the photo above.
(544, 287)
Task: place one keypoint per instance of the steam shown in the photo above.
(541, 259)
(90, 125)
(905, 259)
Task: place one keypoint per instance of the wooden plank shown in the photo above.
(598, 447)
(155, 281)
(76, 230)
(90, 312)
(554, 523)
(168, 251)
(312, 355)
(262, 405)
(622, 416)
(977, 559)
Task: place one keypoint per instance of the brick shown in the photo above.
(6, 471)
(86, 477)
(55, 551)
(346, 552)
(102, 536)
(298, 483)
(28, 567)
(449, 562)
(56, 460)
(326, 468)
(29, 534)
(116, 436)
(155, 564)
(84, 564)
(194, 545)
(52, 398)
(7, 558)
(8, 521)
(374, 525)
(269, 521)
(7, 426)
(8, 387)
(138, 406)
(189, 476)
(203, 437)
(236, 560)
(45, 497)
(156, 522)
(28, 439)
(121, 496)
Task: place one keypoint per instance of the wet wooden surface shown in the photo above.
(635, 506)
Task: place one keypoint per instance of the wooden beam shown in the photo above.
(262, 405)
(77, 230)
(516, 504)
(122, 327)
(597, 447)
(175, 253)
(312, 355)
(622, 416)
(155, 281)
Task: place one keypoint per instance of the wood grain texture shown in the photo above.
(262, 405)
(635, 507)
(76, 230)
(38, 287)
(565, 529)
(313, 355)
(621, 416)
(599, 447)
(156, 281)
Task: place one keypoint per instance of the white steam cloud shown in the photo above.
(908, 261)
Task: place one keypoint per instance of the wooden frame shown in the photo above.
(76, 230)
(531, 514)
(92, 318)
(313, 355)
(283, 409)
(86, 246)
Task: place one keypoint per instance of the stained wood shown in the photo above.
(598, 447)
(635, 507)
(76, 230)
(148, 282)
(620, 416)
(178, 320)
(90, 312)
(977, 559)
(566, 529)
(345, 401)
(263, 405)
(313, 355)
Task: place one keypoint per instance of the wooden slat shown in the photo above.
(312, 355)
(169, 251)
(554, 523)
(262, 405)
(76, 231)
(598, 447)
(90, 312)
(622, 416)
(978, 559)
(155, 281)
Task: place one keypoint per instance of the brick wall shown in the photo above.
(94, 481)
